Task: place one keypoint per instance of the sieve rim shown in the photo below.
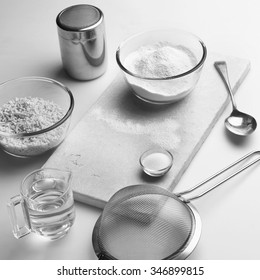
(194, 237)
(182, 253)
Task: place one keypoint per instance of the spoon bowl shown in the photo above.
(238, 122)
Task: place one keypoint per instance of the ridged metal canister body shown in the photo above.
(82, 41)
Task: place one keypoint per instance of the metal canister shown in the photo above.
(82, 41)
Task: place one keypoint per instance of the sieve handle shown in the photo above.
(244, 158)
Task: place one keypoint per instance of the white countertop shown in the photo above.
(29, 47)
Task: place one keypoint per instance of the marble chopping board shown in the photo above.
(103, 149)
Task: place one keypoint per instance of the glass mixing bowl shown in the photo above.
(167, 89)
(35, 115)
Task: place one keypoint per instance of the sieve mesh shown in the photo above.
(79, 17)
(146, 223)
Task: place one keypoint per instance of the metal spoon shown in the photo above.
(238, 122)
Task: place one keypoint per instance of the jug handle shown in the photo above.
(18, 230)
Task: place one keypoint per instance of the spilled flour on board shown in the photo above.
(164, 134)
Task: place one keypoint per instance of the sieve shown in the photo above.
(142, 222)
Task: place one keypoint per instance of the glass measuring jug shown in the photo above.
(46, 204)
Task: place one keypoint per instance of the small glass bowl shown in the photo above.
(40, 141)
(156, 162)
(167, 89)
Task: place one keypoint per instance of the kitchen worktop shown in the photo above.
(29, 47)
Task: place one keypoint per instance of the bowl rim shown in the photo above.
(198, 65)
(47, 129)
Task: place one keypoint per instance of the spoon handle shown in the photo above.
(221, 67)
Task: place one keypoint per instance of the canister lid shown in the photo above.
(79, 17)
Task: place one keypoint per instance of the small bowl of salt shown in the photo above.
(156, 162)
(162, 66)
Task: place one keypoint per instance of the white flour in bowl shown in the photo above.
(160, 60)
